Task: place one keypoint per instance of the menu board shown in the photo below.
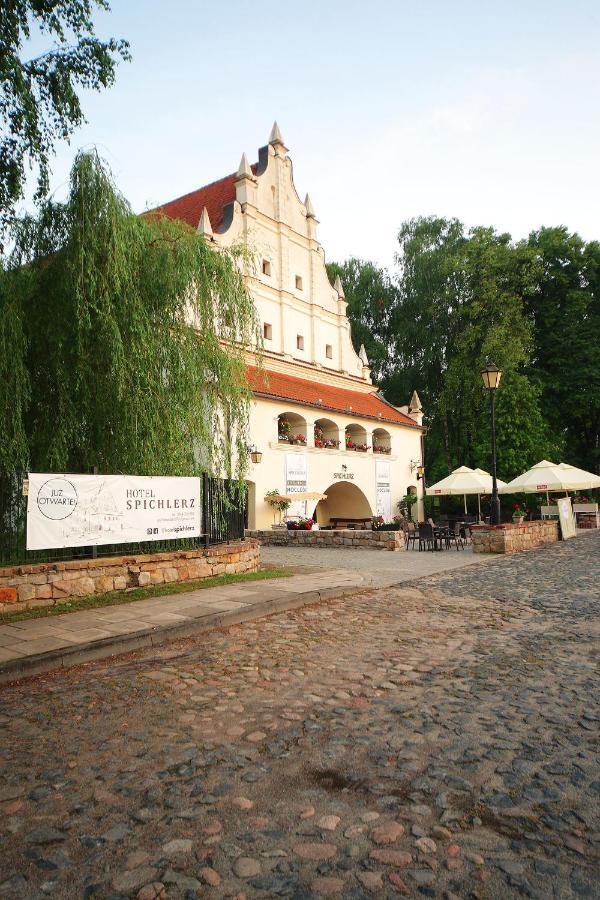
(566, 518)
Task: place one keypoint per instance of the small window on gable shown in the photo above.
(298, 282)
(300, 342)
(328, 351)
(267, 332)
(266, 267)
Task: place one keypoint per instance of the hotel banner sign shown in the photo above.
(90, 510)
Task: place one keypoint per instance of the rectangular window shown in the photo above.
(328, 351)
(300, 342)
(298, 282)
(267, 332)
(266, 267)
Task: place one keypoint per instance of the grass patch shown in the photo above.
(119, 598)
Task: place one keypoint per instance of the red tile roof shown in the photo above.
(288, 387)
(213, 196)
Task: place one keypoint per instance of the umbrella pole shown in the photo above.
(479, 507)
(465, 498)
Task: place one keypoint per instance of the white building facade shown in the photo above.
(316, 417)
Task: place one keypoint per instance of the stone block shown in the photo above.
(26, 592)
(43, 592)
(156, 576)
(120, 583)
(83, 586)
(8, 595)
(40, 602)
(170, 574)
(103, 584)
(61, 589)
(143, 579)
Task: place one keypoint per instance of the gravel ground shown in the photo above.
(437, 739)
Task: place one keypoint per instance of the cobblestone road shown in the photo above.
(432, 740)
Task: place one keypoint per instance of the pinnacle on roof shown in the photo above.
(337, 286)
(276, 137)
(415, 403)
(310, 210)
(204, 226)
(362, 355)
(244, 170)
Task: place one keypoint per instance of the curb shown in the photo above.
(67, 657)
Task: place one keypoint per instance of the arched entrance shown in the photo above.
(344, 500)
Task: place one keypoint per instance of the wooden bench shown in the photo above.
(353, 521)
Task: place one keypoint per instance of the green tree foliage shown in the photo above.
(39, 103)
(371, 298)
(458, 298)
(120, 341)
(565, 311)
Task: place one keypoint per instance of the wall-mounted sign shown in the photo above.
(343, 476)
(90, 510)
(383, 472)
(295, 482)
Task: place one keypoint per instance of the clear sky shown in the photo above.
(488, 111)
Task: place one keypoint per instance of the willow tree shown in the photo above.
(122, 340)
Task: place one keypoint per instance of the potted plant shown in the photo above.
(519, 514)
(350, 445)
(277, 504)
(406, 504)
(301, 525)
(376, 522)
(283, 430)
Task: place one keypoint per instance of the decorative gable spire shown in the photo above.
(310, 210)
(204, 226)
(337, 286)
(415, 403)
(362, 355)
(276, 137)
(244, 169)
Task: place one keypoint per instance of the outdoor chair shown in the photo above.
(426, 537)
(410, 535)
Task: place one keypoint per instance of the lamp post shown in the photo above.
(491, 378)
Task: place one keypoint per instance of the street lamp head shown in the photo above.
(491, 376)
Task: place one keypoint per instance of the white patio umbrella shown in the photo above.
(464, 481)
(545, 477)
(579, 479)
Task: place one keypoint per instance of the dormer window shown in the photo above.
(266, 268)
(298, 282)
(267, 332)
(328, 351)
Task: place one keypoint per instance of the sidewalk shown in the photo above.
(42, 645)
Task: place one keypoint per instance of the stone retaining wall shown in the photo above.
(511, 538)
(339, 537)
(44, 584)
